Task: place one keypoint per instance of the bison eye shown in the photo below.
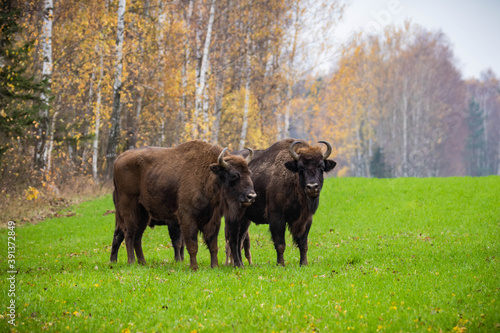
(234, 177)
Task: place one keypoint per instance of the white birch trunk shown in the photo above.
(203, 72)
(47, 47)
(162, 133)
(89, 112)
(219, 96)
(95, 145)
(161, 54)
(483, 102)
(244, 127)
(51, 141)
(137, 121)
(115, 115)
(498, 155)
(206, 120)
(404, 113)
(42, 151)
(181, 115)
(279, 127)
(290, 78)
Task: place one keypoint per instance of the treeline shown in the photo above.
(122, 74)
(397, 106)
(82, 81)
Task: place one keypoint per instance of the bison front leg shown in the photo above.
(174, 231)
(234, 240)
(228, 247)
(301, 242)
(277, 227)
(190, 234)
(210, 233)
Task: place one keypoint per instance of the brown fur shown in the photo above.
(183, 185)
(283, 199)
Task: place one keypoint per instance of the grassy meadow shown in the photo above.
(385, 255)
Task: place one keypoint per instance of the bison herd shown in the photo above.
(191, 186)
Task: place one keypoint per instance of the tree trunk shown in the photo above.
(95, 145)
(183, 107)
(290, 78)
(203, 73)
(220, 77)
(206, 120)
(137, 123)
(115, 115)
(404, 113)
(219, 97)
(88, 114)
(244, 127)
(498, 154)
(279, 127)
(41, 151)
(161, 55)
(51, 141)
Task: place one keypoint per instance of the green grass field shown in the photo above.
(385, 255)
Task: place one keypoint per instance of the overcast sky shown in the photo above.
(473, 27)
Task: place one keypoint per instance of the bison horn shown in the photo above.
(328, 149)
(221, 161)
(292, 152)
(250, 155)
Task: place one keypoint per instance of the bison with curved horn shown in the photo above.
(287, 177)
(189, 187)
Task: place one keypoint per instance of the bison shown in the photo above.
(287, 177)
(188, 187)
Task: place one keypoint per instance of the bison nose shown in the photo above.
(312, 187)
(248, 199)
(251, 196)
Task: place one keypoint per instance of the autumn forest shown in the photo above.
(83, 81)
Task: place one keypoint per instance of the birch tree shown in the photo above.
(200, 89)
(181, 114)
(115, 115)
(248, 76)
(95, 144)
(46, 42)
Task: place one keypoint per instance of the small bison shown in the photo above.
(287, 177)
(189, 188)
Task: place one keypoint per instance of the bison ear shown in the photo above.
(329, 165)
(216, 168)
(292, 166)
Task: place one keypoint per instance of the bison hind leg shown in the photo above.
(118, 237)
(277, 227)
(246, 247)
(143, 219)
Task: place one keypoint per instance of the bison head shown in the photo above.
(234, 176)
(310, 164)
